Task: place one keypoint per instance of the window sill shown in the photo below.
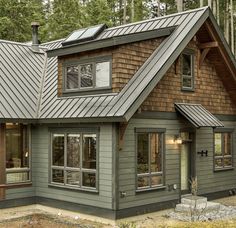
(138, 191)
(16, 185)
(63, 187)
(223, 169)
(68, 93)
(187, 90)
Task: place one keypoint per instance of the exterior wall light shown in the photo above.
(178, 139)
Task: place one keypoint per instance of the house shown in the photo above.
(115, 121)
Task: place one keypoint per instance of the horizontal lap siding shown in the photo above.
(208, 180)
(127, 164)
(40, 144)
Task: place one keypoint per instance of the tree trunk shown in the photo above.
(132, 10)
(210, 3)
(214, 8)
(201, 3)
(158, 8)
(226, 21)
(218, 11)
(124, 14)
(232, 24)
(179, 5)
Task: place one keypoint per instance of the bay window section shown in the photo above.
(150, 146)
(74, 157)
(17, 153)
(223, 150)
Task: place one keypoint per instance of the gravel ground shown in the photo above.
(39, 217)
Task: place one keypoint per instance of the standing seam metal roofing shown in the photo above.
(198, 115)
(30, 92)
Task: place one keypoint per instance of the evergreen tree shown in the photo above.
(16, 17)
(65, 17)
(97, 12)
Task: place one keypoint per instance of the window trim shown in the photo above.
(149, 131)
(191, 53)
(223, 130)
(80, 131)
(83, 61)
(21, 170)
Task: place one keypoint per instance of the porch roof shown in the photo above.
(197, 115)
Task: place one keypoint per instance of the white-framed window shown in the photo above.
(223, 150)
(18, 156)
(150, 159)
(74, 159)
(90, 75)
(187, 71)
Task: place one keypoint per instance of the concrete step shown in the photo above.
(200, 207)
(192, 200)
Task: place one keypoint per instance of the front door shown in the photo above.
(186, 162)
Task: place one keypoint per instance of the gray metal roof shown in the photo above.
(198, 115)
(20, 80)
(29, 80)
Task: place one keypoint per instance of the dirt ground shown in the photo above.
(43, 217)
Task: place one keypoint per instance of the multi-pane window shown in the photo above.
(74, 160)
(149, 159)
(223, 150)
(17, 153)
(87, 76)
(187, 72)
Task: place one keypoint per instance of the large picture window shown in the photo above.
(223, 150)
(187, 71)
(17, 153)
(87, 75)
(74, 160)
(149, 159)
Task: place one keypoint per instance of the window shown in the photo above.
(17, 153)
(149, 159)
(223, 150)
(187, 71)
(87, 76)
(74, 160)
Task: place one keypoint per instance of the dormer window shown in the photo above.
(87, 75)
(187, 71)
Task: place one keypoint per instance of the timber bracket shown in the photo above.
(122, 129)
(206, 47)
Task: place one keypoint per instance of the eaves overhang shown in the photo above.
(110, 42)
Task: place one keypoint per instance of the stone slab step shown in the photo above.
(192, 200)
(201, 207)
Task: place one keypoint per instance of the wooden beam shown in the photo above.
(215, 38)
(2, 161)
(213, 44)
(203, 56)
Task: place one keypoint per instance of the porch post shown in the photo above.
(2, 161)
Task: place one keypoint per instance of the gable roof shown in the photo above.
(47, 106)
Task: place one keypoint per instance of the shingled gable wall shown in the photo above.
(126, 60)
(209, 89)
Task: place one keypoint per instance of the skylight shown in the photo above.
(85, 34)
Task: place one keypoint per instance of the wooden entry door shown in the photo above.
(186, 162)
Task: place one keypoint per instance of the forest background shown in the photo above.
(58, 18)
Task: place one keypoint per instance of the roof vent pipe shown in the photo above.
(35, 39)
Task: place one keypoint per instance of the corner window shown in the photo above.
(149, 159)
(17, 153)
(187, 71)
(74, 160)
(87, 76)
(223, 150)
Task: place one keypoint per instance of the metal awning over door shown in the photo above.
(197, 115)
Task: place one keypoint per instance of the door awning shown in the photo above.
(198, 115)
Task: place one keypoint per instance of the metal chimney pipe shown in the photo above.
(35, 38)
